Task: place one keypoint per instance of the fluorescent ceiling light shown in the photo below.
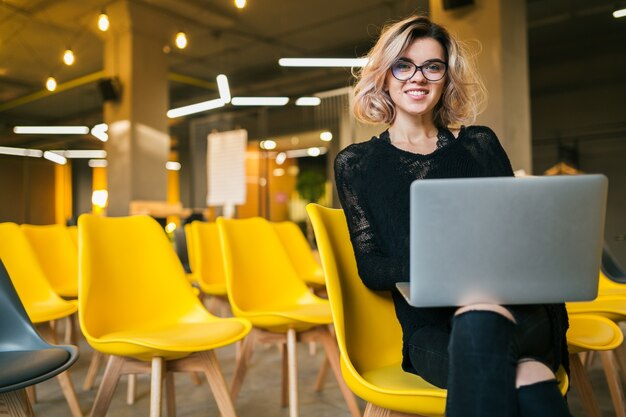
(299, 153)
(100, 131)
(51, 130)
(97, 163)
(259, 101)
(308, 101)
(267, 144)
(172, 166)
(619, 13)
(82, 153)
(54, 157)
(195, 108)
(223, 88)
(35, 153)
(322, 62)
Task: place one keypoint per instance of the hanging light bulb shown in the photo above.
(240, 4)
(51, 84)
(103, 21)
(181, 40)
(68, 57)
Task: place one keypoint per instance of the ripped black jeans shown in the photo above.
(476, 359)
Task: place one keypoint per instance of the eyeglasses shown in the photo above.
(432, 70)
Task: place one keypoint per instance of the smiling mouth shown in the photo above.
(417, 93)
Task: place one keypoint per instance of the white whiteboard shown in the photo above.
(226, 168)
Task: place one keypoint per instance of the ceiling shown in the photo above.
(244, 44)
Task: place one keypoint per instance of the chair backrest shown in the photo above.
(130, 276)
(367, 330)
(207, 253)
(57, 254)
(259, 273)
(73, 232)
(16, 328)
(611, 267)
(299, 252)
(26, 273)
(17, 335)
(191, 247)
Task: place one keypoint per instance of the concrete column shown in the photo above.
(138, 145)
(500, 28)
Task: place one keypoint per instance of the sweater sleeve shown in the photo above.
(378, 269)
(492, 153)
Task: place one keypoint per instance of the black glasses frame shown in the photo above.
(416, 67)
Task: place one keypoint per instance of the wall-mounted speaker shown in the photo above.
(455, 4)
(110, 89)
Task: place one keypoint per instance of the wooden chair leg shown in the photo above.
(218, 385)
(71, 330)
(92, 371)
(332, 354)
(32, 394)
(242, 365)
(284, 397)
(582, 385)
(107, 386)
(156, 385)
(15, 404)
(170, 394)
(70, 394)
(613, 379)
(372, 410)
(620, 355)
(195, 378)
(321, 376)
(293, 373)
(131, 388)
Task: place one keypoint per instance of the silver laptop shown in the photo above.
(505, 240)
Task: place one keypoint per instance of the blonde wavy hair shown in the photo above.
(464, 94)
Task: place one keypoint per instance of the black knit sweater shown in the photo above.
(373, 179)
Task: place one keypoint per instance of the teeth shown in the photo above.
(417, 93)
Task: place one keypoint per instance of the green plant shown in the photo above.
(310, 184)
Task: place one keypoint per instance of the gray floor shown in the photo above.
(260, 394)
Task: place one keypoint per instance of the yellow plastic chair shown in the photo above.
(58, 256)
(41, 302)
(207, 258)
(73, 231)
(368, 332)
(300, 253)
(593, 333)
(613, 308)
(191, 244)
(137, 306)
(263, 287)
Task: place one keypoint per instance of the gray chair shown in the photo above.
(611, 267)
(25, 358)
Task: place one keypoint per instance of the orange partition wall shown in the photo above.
(99, 184)
(62, 193)
(173, 189)
(269, 186)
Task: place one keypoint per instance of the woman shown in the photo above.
(494, 360)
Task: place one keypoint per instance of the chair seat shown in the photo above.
(299, 317)
(595, 333)
(316, 278)
(171, 341)
(19, 368)
(67, 291)
(393, 388)
(212, 289)
(51, 309)
(611, 307)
